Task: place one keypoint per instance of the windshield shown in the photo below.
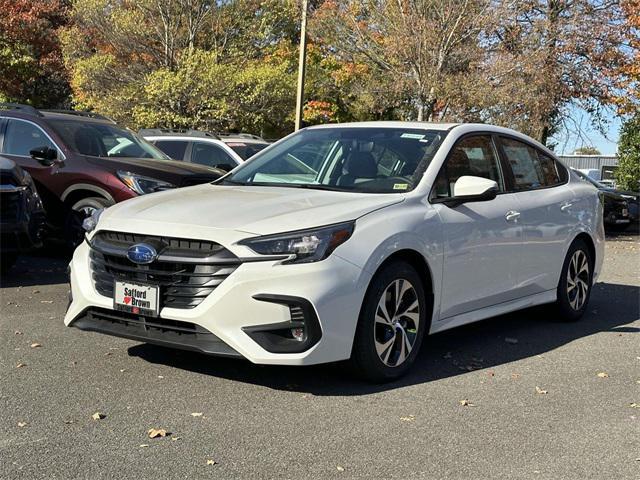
(104, 140)
(246, 150)
(359, 159)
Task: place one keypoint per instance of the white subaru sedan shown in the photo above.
(345, 242)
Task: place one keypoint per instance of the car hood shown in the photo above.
(172, 171)
(252, 209)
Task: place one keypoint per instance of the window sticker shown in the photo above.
(400, 186)
(415, 136)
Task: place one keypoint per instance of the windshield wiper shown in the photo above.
(317, 186)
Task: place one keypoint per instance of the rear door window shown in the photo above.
(174, 148)
(22, 137)
(531, 168)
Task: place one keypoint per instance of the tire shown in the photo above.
(7, 261)
(73, 231)
(379, 330)
(573, 300)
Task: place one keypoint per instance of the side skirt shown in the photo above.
(549, 296)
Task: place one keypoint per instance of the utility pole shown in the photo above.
(301, 65)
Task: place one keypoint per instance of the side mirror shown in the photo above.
(472, 189)
(45, 155)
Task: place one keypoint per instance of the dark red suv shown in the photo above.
(81, 161)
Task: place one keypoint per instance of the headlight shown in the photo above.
(141, 184)
(91, 222)
(308, 246)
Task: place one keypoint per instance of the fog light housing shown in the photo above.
(297, 335)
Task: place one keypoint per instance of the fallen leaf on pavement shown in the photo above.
(143, 445)
(22, 424)
(540, 391)
(175, 439)
(634, 405)
(98, 416)
(157, 432)
(339, 468)
(466, 403)
(603, 374)
(410, 418)
(68, 422)
(196, 414)
(17, 332)
(20, 365)
(35, 345)
(511, 340)
(46, 301)
(515, 375)
(160, 376)
(122, 370)
(211, 462)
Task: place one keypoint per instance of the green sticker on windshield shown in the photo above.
(400, 186)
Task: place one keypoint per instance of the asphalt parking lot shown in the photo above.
(518, 396)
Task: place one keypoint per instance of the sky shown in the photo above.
(570, 139)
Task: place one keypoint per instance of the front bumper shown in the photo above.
(226, 322)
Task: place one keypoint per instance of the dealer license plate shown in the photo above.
(136, 298)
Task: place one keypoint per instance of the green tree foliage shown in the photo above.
(185, 63)
(628, 171)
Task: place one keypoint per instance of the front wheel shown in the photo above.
(574, 288)
(392, 324)
(73, 230)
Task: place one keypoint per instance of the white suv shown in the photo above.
(343, 242)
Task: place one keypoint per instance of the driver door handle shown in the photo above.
(566, 206)
(512, 216)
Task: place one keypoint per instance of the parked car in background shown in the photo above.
(244, 144)
(82, 161)
(193, 146)
(341, 242)
(620, 208)
(21, 213)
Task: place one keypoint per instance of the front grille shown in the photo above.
(187, 271)
(10, 206)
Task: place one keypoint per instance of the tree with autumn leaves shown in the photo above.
(231, 65)
(628, 102)
(31, 64)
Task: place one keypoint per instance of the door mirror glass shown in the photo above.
(45, 155)
(473, 189)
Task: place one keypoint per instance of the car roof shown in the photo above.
(184, 137)
(47, 115)
(389, 124)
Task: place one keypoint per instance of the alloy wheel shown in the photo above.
(397, 321)
(578, 280)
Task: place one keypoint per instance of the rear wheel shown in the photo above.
(392, 324)
(73, 231)
(574, 288)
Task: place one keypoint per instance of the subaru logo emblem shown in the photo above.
(142, 253)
